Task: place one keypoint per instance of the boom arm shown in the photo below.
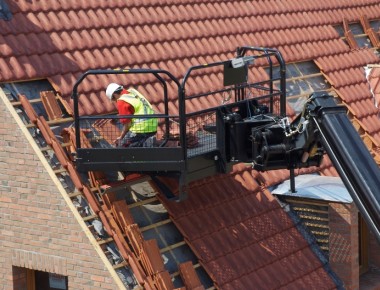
(323, 126)
(353, 161)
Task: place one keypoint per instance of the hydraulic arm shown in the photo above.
(322, 126)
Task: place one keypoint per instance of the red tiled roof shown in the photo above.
(346, 74)
(240, 234)
(61, 40)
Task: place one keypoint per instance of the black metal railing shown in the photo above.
(157, 73)
(188, 141)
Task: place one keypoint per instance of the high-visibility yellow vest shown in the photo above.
(142, 107)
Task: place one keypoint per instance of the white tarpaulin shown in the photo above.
(316, 187)
(372, 75)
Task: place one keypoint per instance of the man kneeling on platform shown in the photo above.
(136, 132)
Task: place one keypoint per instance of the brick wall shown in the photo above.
(37, 228)
(344, 243)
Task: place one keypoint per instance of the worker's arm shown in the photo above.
(125, 130)
(124, 108)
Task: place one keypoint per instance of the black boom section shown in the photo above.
(351, 158)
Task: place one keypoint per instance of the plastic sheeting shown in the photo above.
(317, 187)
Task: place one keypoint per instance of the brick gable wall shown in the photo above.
(38, 230)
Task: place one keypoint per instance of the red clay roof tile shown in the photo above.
(189, 276)
(51, 105)
(259, 234)
(19, 45)
(352, 93)
(371, 124)
(152, 258)
(363, 108)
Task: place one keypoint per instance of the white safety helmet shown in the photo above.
(112, 88)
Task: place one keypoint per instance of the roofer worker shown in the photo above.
(136, 130)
